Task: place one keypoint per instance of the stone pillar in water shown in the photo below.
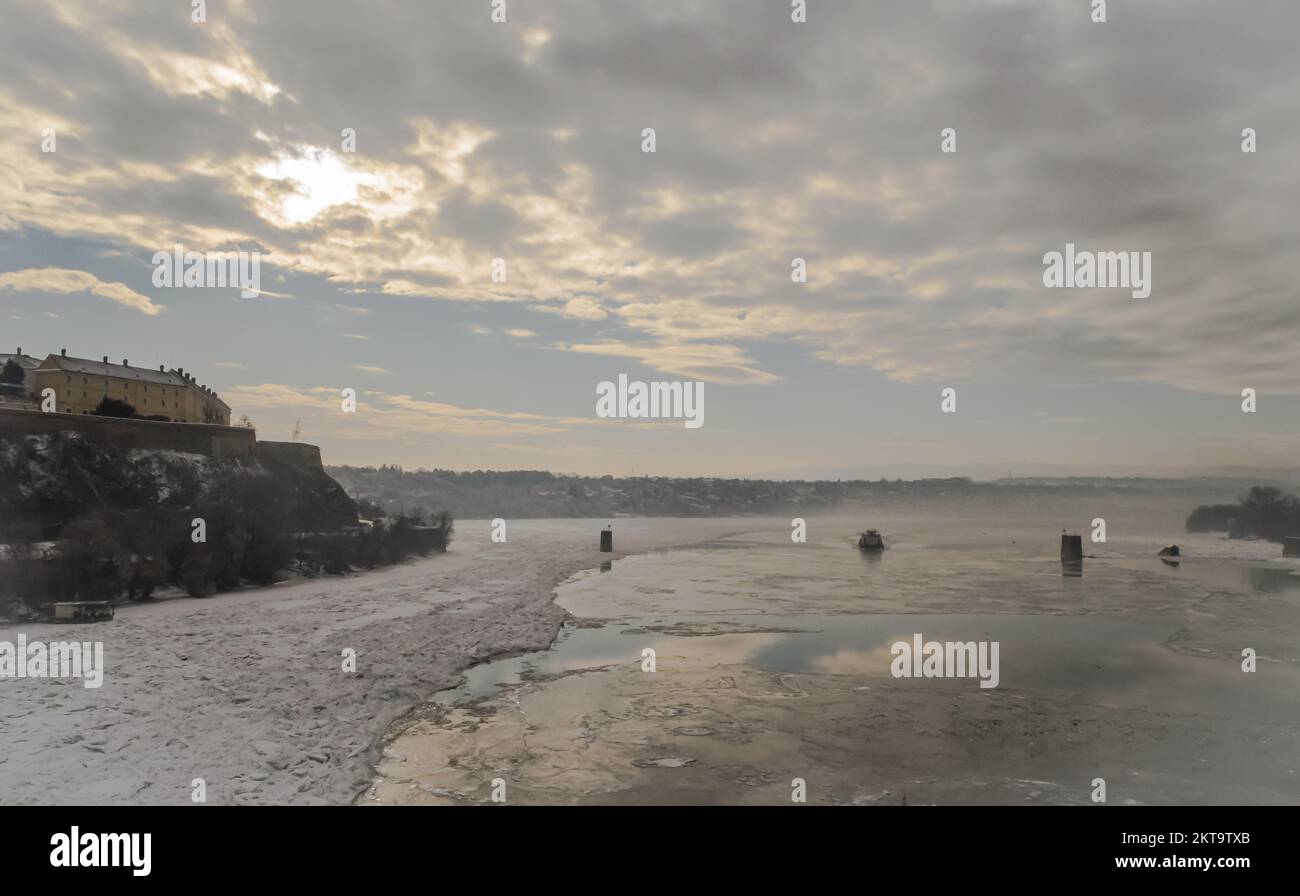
(1071, 548)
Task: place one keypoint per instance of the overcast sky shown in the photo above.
(775, 140)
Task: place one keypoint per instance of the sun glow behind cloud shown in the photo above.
(319, 179)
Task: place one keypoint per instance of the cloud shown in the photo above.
(388, 415)
(65, 281)
(580, 308)
(775, 141)
(717, 363)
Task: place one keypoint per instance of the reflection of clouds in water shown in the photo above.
(1160, 679)
(974, 579)
(855, 662)
(592, 648)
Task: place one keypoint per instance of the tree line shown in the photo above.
(1265, 512)
(81, 523)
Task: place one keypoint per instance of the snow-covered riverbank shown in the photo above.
(247, 690)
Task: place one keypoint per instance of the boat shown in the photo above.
(871, 541)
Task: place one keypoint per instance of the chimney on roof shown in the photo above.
(63, 352)
(160, 369)
(106, 359)
(20, 350)
(181, 371)
(124, 363)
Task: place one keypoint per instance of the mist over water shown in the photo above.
(766, 648)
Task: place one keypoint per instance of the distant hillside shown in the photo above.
(533, 494)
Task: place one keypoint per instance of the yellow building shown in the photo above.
(80, 385)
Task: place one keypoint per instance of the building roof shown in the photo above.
(87, 367)
(26, 362)
(98, 368)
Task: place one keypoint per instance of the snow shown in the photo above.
(39, 549)
(247, 691)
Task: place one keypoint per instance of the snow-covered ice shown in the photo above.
(247, 691)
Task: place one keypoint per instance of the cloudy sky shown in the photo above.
(774, 140)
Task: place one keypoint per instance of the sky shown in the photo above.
(822, 140)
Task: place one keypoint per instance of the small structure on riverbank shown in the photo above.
(607, 540)
(83, 611)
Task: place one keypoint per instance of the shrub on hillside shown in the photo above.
(112, 407)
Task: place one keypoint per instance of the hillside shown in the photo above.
(536, 494)
(48, 481)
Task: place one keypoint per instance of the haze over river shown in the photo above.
(772, 663)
